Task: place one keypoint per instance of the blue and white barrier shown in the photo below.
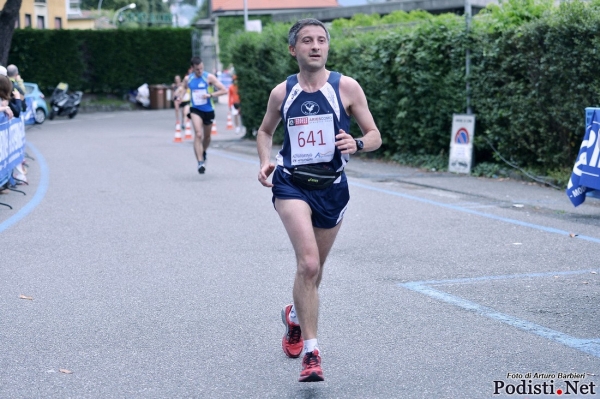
(12, 146)
(585, 178)
(29, 118)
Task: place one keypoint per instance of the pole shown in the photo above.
(468, 11)
(127, 7)
(246, 15)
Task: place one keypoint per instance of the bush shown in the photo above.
(107, 61)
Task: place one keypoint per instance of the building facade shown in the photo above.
(46, 14)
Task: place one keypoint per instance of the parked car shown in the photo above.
(40, 108)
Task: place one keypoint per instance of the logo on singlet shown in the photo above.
(298, 121)
(310, 108)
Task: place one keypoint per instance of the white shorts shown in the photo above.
(234, 111)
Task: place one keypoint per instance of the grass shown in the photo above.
(102, 99)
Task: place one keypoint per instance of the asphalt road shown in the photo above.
(148, 280)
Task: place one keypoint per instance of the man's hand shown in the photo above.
(345, 143)
(265, 172)
(16, 94)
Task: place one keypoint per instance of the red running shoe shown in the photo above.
(311, 367)
(292, 342)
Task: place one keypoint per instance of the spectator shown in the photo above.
(234, 104)
(13, 75)
(18, 99)
(6, 88)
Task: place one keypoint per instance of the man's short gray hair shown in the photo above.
(12, 71)
(293, 34)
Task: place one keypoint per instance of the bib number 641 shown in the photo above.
(310, 139)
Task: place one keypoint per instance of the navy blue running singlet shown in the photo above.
(312, 120)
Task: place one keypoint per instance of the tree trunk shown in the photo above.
(8, 20)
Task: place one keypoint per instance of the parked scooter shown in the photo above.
(64, 103)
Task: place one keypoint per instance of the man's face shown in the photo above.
(198, 69)
(311, 47)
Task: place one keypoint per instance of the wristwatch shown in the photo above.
(359, 145)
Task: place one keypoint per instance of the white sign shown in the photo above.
(461, 143)
(254, 25)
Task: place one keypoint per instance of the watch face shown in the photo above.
(359, 145)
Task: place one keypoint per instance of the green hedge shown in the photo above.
(107, 61)
(531, 84)
(534, 69)
(261, 62)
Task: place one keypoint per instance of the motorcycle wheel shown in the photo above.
(73, 113)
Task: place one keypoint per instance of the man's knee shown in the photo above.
(309, 267)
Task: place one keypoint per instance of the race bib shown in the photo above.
(198, 96)
(312, 139)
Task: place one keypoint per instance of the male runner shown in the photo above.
(202, 112)
(310, 190)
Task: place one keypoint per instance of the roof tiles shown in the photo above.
(233, 5)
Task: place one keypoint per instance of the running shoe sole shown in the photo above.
(313, 377)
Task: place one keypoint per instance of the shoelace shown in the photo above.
(294, 334)
(310, 360)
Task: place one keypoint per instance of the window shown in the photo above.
(27, 21)
(40, 22)
(57, 23)
(74, 7)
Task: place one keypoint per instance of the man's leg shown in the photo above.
(198, 140)
(206, 138)
(325, 239)
(198, 136)
(311, 246)
(187, 122)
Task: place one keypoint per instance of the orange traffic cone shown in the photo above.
(188, 131)
(177, 138)
(229, 122)
(213, 131)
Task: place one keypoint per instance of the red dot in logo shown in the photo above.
(559, 391)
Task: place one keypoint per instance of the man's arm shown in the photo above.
(355, 101)
(264, 137)
(217, 83)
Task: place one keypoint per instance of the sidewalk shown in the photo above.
(506, 192)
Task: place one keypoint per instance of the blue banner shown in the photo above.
(585, 177)
(12, 145)
(30, 113)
